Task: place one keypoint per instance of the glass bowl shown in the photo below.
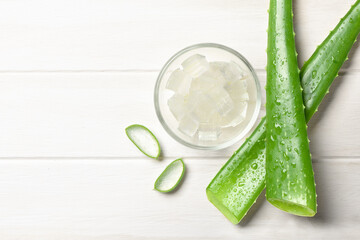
(213, 52)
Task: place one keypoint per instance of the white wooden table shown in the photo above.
(74, 74)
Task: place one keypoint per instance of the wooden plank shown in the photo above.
(332, 130)
(118, 35)
(79, 115)
(85, 114)
(110, 199)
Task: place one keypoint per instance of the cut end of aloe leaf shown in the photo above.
(221, 207)
(144, 140)
(170, 178)
(293, 208)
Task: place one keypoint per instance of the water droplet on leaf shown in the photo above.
(313, 74)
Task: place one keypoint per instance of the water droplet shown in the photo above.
(334, 59)
(284, 170)
(272, 138)
(254, 166)
(313, 74)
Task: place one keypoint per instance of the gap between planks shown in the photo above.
(322, 159)
(135, 71)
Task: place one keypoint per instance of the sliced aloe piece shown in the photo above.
(170, 177)
(144, 140)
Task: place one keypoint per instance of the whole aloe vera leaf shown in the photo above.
(319, 71)
(230, 190)
(289, 178)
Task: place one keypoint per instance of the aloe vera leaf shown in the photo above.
(170, 178)
(323, 66)
(144, 140)
(290, 184)
(240, 181)
(230, 191)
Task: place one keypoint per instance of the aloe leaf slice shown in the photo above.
(170, 178)
(144, 140)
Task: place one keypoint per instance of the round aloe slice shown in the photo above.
(144, 140)
(170, 177)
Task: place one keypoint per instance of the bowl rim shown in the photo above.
(248, 127)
